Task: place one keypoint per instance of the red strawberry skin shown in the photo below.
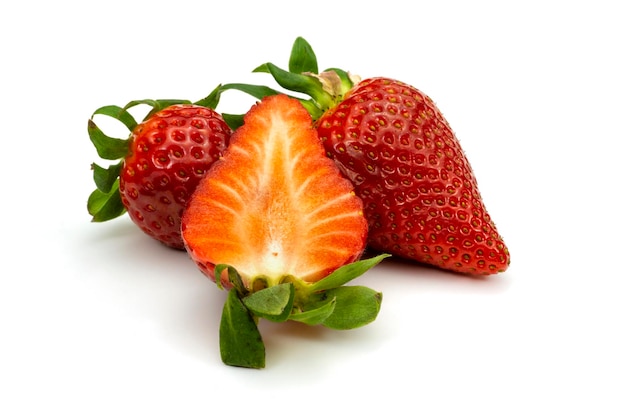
(169, 154)
(420, 194)
(275, 206)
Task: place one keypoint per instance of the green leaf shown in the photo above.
(212, 100)
(316, 315)
(257, 91)
(272, 303)
(233, 121)
(303, 58)
(157, 105)
(105, 178)
(355, 307)
(217, 271)
(313, 108)
(241, 344)
(103, 206)
(262, 68)
(121, 114)
(107, 147)
(347, 273)
(299, 83)
(233, 277)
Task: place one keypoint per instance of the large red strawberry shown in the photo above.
(161, 163)
(275, 221)
(420, 194)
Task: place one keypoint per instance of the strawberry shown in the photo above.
(421, 197)
(162, 162)
(275, 222)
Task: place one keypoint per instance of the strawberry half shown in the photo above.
(161, 164)
(275, 221)
(420, 194)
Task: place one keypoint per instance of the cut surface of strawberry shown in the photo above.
(275, 206)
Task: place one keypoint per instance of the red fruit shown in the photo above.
(420, 195)
(275, 208)
(163, 161)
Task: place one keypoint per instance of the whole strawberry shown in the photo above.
(161, 164)
(420, 194)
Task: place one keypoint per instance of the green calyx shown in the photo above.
(105, 203)
(325, 89)
(328, 302)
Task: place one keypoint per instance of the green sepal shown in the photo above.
(105, 178)
(233, 277)
(257, 91)
(313, 108)
(302, 58)
(103, 206)
(241, 344)
(105, 203)
(212, 99)
(273, 303)
(346, 273)
(300, 83)
(234, 121)
(118, 113)
(109, 148)
(314, 314)
(157, 105)
(355, 306)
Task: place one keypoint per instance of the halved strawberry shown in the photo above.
(273, 219)
(275, 206)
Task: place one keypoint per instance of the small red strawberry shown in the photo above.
(163, 160)
(420, 194)
(275, 220)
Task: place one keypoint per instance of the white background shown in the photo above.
(535, 92)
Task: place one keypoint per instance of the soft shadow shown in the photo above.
(149, 281)
(314, 348)
(397, 272)
(154, 282)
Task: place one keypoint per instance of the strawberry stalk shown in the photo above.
(328, 302)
